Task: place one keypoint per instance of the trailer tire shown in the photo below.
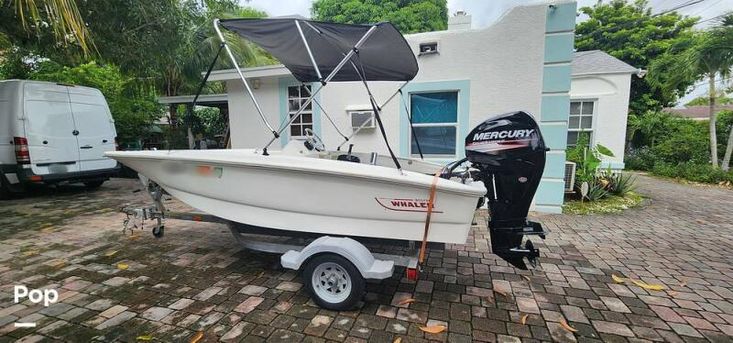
(333, 282)
(158, 231)
(4, 192)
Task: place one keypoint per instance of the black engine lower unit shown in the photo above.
(506, 242)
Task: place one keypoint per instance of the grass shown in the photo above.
(611, 204)
(722, 184)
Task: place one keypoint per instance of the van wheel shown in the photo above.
(93, 184)
(333, 282)
(4, 192)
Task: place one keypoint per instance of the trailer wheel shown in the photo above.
(334, 282)
(158, 231)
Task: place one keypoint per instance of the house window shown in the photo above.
(297, 96)
(580, 120)
(435, 123)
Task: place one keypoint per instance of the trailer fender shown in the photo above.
(355, 252)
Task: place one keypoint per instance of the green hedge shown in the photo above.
(694, 172)
(677, 147)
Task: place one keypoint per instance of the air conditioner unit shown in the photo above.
(569, 176)
(362, 119)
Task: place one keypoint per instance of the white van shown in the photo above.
(52, 133)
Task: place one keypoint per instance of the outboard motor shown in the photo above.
(509, 153)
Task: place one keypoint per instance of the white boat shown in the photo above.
(312, 193)
(306, 188)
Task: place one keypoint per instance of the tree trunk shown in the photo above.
(728, 151)
(713, 135)
(173, 112)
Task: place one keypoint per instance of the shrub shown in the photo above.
(687, 142)
(587, 158)
(618, 183)
(601, 183)
(597, 189)
(640, 159)
(650, 128)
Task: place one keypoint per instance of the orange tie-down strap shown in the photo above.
(431, 204)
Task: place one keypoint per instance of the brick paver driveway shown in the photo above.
(196, 279)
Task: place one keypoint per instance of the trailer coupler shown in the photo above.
(506, 242)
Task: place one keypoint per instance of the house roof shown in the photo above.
(203, 99)
(697, 112)
(264, 71)
(598, 62)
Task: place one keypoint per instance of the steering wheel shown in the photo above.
(312, 141)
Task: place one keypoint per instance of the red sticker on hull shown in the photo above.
(405, 205)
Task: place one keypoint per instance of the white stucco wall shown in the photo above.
(247, 129)
(503, 64)
(611, 93)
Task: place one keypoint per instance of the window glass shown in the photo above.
(574, 107)
(297, 96)
(586, 122)
(587, 107)
(439, 107)
(435, 122)
(580, 120)
(435, 140)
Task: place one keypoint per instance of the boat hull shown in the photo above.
(310, 194)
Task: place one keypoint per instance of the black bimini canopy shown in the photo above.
(384, 55)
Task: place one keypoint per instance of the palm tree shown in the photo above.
(198, 46)
(724, 38)
(36, 16)
(708, 55)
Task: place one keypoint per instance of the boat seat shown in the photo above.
(348, 157)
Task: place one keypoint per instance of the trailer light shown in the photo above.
(22, 154)
(412, 274)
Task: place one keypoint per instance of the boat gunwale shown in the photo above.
(442, 186)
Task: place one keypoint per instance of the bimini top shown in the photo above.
(384, 55)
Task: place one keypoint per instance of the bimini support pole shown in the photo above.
(328, 78)
(244, 80)
(308, 49)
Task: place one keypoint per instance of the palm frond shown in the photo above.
(61, 16)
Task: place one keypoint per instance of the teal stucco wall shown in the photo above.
(555, 107)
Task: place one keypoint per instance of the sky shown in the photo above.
(484, 12)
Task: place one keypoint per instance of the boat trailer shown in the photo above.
(335, 269)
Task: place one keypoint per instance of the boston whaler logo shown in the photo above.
(408, 205)
(484, 136)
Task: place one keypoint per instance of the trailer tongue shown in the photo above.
(509, 153)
